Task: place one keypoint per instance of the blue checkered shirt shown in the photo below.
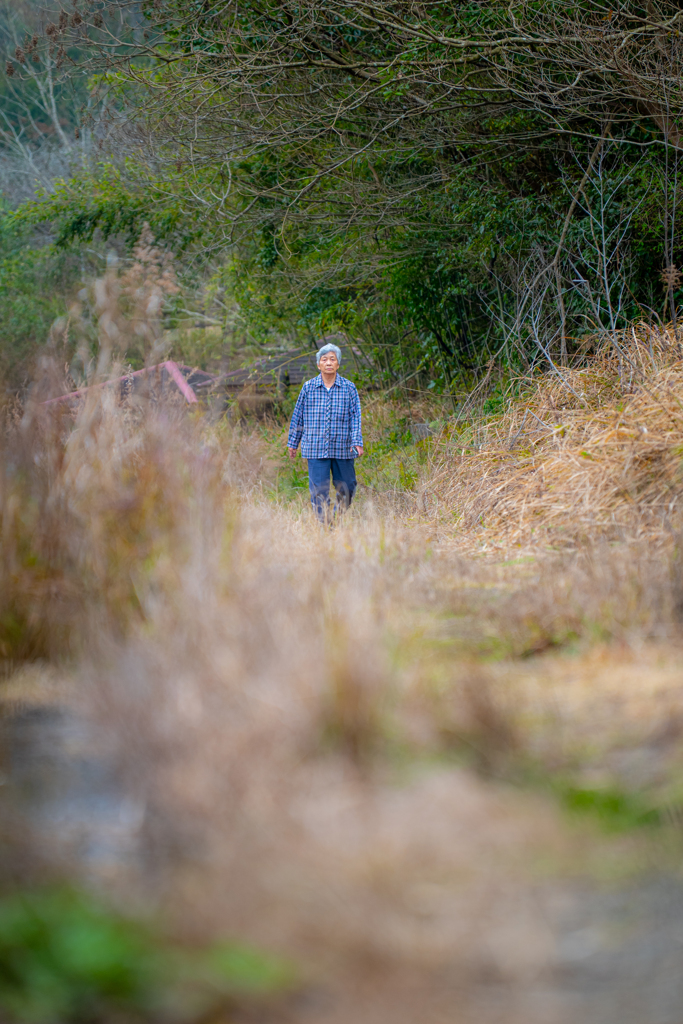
(326, 422)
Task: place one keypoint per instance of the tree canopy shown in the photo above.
(449, 183)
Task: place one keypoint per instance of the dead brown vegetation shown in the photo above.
(579, 454)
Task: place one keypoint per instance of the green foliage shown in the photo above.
(616, 811)
(232, 967)
(113, 203)
(493, 405)
(65, 957)
(196, 346)
(33, 282)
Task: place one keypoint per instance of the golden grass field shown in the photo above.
(393, 750)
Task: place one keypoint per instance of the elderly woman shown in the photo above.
(326, 420)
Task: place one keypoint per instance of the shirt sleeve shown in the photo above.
(356, 431)
(296, 427)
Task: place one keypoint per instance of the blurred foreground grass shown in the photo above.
(361, 750)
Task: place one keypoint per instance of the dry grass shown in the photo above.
(584, 453)
(347, 741)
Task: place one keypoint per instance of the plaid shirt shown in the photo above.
(327, 422)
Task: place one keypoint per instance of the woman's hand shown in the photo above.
(292, 453)
(359, 449)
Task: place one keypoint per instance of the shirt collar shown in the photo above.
(320, 383)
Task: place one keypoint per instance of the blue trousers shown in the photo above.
(343, 477)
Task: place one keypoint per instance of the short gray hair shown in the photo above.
(327, 348)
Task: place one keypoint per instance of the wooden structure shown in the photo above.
(162, 379)
(257, 387)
